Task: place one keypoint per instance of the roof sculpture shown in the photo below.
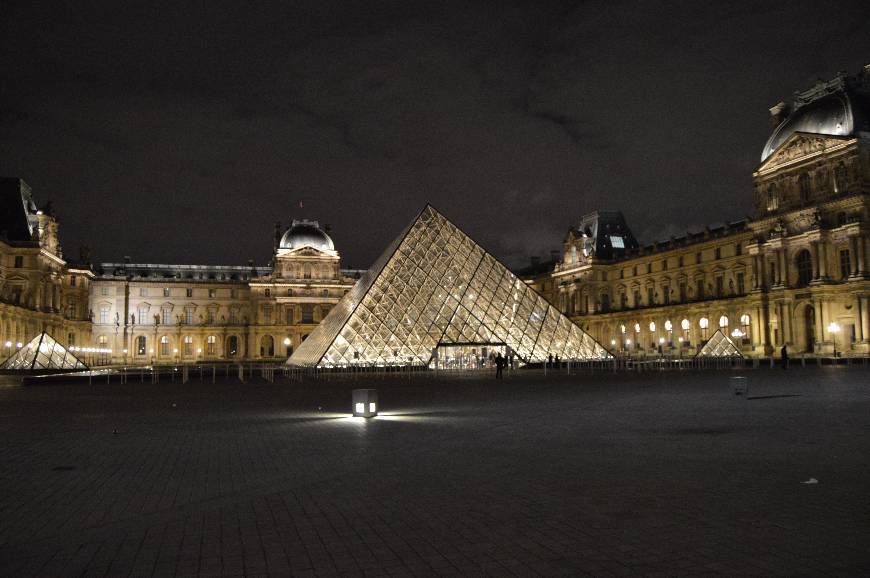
(43, 353)
(434, 285)
(719, 345)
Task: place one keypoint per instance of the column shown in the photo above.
(756, 272)
(864, 320)
(823, 260)
(818, 335)
(814, 251)
(788, 336)
(853, 256)
(862, 265)
(783, 268)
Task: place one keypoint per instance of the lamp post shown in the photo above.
(834, 329)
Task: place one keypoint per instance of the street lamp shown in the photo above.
(834, 329)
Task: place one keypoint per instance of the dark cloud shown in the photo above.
(182, 132)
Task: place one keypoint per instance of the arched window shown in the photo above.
(745, 325)
(211, 345)
(703, 323)
(164, 345)
(267, 346)
(723, 322)
(652, 326)
(232, 346)
(622, 329)
(668, 325)
(187, 347)
(141, 344)
(637, 327)
(804, 264)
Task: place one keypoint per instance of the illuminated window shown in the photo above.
(234, 315)
(685, 324)
(104, 291)
(637, 327)
(652, 326)
(212, 293)
(143, 316)
(211, 312)
(104, 314)
(140, 345)
(187, 347)
(668, 325)
(164, 345)
(188, 315)
(617, 242)
(167, 316)
(166, 292)
(232, 346)
(723, 322)
(360, 408)
(210, 344)
(845, 264)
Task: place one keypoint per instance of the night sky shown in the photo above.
(180, 134)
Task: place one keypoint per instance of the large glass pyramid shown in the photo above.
(719, 345)
(435, 286)
(42, 353)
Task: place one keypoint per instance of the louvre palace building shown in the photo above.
(794, 274)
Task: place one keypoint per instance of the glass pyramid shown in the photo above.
(42, 353)
(435, 286)
(719, 345)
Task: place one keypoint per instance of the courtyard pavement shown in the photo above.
(665, 474)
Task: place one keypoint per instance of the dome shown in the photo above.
(306, 233)
(831, 115)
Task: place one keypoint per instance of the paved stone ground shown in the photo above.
(607, 475)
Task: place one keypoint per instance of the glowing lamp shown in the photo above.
(8, 344)
(365, 402)
(286, 341)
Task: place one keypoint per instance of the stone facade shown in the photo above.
(795, 274)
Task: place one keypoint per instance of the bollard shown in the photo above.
(740, 385)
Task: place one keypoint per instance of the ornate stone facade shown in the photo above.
(795, 274)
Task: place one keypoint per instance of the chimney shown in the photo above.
(778, 113)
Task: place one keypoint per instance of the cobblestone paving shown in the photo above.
(661, 474)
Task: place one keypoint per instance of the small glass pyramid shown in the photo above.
(719, 345)
(434, 286)
(43, 353)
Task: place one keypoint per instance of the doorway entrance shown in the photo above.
(467, 356)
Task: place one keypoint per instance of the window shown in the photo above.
(187, 348)
(188, 292)
(143, 292)
(683, 291)
(845, 264)
(289, 316)
(738, 249)
(233, 293)
(71, 309)
(720, 286)
(745, 327)
(325, 292)
(234, 316)
(268, 292)
(70, 339)
(703, 323)
(210, 315)
(164, 345)
(212, 293)
(617, 242)
(634, 271)
(167, 292)
(680, 261)
(140, 345)
(723, 323)
(143, 316)
(699, 289)
(104, 314)
(652, 326)
(840, 177)
(804, 262)
(307, 314)
(267, 314)
(623, 300)
(650, 296)
(188, 315)
(637, 302)
(289, 292)
(804, 187)
(166, 314)
(666, 292)
(232, 346)
(306, 271)
(210, 345)
(697, 257)
(605, 302)
(104, 291)
(718, 253)
(19, 261)
(741, 283)
(72, 281)
(665, 265)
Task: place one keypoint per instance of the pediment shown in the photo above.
(799, 146)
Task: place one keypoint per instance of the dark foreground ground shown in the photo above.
(660, 473)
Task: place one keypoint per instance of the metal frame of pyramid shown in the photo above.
(719, 345)
(432, 286)
(43, 354)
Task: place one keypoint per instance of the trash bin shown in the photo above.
(740, 384)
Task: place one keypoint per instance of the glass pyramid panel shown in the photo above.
(719, 345)
(43, 353)
(435, 285)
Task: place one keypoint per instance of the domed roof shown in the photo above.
(831, 115)
(304, 233)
